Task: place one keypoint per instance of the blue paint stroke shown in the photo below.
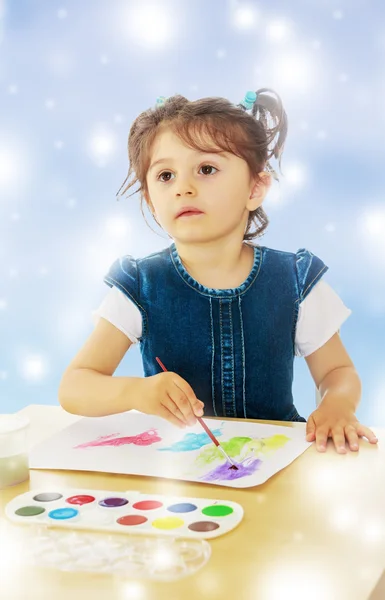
(192, 441)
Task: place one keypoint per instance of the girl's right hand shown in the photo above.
(169, 396)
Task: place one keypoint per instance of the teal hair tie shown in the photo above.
(160, 101)
(249, 100)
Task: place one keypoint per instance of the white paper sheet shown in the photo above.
(139, 444)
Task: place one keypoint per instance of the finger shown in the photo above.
(173, 408)
(196, 405)
(179, 397)
(169, 416)
(321, 435)
(368, 433)
(352, 437)
(180, 400)
(338, 435)
(310, 430)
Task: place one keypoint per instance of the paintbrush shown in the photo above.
(207, 430)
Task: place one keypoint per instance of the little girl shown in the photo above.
(224, 315)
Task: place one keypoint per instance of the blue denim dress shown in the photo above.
(235, 347)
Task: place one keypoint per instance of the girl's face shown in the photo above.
(217, 185)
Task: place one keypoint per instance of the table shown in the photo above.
(316, 530)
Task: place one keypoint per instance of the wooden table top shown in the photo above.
(315, 530)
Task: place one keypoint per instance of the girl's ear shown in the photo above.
(259, 190)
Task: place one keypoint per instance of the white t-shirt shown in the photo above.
(320, 316)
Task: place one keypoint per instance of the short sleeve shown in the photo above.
(121, 312)
(124, 275)
(309, 270)
(320, 316)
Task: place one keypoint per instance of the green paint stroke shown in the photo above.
(241, 447)
(265, 445)
(232, 447)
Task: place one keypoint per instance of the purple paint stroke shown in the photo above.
(223, 472)
(142, 439)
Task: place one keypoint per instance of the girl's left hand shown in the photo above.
(339, 424)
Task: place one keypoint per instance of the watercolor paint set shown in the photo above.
(125, 512)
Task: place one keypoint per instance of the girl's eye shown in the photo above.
(169, 172)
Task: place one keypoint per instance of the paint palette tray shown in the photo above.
(128, 512)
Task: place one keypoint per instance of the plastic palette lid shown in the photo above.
(125, 556)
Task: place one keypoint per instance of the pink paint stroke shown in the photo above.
(142, 439)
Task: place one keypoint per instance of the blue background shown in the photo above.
(73, 76)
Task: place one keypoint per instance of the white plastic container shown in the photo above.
(14, 464)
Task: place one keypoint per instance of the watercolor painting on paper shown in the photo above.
(138, 444)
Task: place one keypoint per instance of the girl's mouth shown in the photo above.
(190, 213)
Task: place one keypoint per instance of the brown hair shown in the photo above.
(230, 127)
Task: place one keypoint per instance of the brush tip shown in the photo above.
(234, 468)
